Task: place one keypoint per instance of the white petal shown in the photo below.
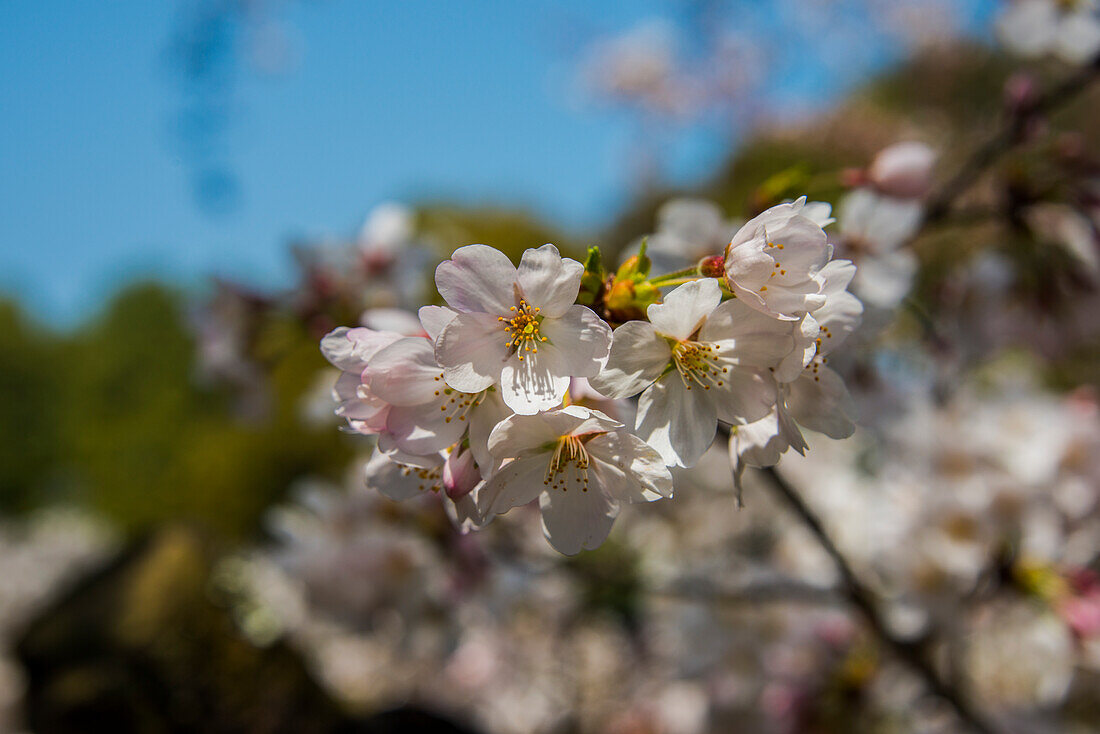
(434, 318)
(464, 513)
(534, 381)
(514, 484)
(1079, 37)
(685, 308)
(805, 334)
(574, 520)
(472, 350)
(582, 338)
(884, 280)
(405, 372)
(630, 469)
(351, 349)
(399, 482)
(822, 403)
(423, 429)
(747, 395)
(483, 419)
(1029, 27)
(549, 281)
(638, 356)
(519, 435)
(678, 422)
(748, 336)
(477, 278)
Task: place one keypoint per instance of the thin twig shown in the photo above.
(863, 599)
(1009, 136)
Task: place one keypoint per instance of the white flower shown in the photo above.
(518, 328)
(697, 362)
(874, 229)
(1068, 29)
(815, 395)
(446, 473)
(426, 415)
(350, 350)
(773, 260)
(903, 170)
(580, 464)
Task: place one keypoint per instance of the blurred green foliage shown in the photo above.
(111, 416)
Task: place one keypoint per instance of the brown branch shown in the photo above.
(864, 600)
(1011, 134)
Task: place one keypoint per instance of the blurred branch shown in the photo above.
(862, 598)
(1011, 134)
(777, 590)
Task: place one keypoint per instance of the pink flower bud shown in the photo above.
(903, 170)
(460, 474)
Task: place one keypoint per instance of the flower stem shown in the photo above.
(681, 276)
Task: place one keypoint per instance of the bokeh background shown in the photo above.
(194, 192)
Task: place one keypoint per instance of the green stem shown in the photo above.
(678, 275)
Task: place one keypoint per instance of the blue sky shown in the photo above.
(471, 101)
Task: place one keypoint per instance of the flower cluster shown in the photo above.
(483, 403)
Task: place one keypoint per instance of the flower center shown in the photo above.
(523, 328)
(569, 464)
(455, 405)
(698, 364)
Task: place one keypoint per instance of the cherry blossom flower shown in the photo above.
(772, 262)
(517, 328)
(580, 464)
(426, 415)
(451, 474)
(1068, 29)
(350, 350)
(696, 362)
(874, 228)
(814, 395)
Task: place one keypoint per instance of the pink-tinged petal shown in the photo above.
(351, 349)
(400, 482)
(630, 470)
(582, 339)
(549, 281)
(747, 396)
(477, 278)
(406, 373)
(638, 357)
(514, 484)
(423, 429)
(531, 382)
(903, 169)
(460, 474)
(574, 520)
(747, 336)
(472, 350)
(685, 308)
(434, 318)
(679, 423)
(771, 219)
(346, 387)
(820, 401)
